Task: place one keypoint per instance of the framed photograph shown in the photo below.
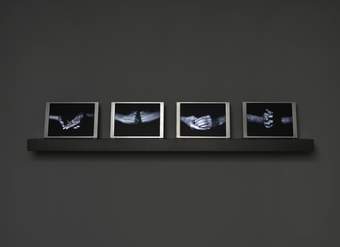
(71, 120)
(203, 120)
(137, 120)
(269, 120)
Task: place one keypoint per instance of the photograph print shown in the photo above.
(71, 120)
(137, 120)
(203, 120)
(269, 120)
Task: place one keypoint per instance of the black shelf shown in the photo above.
(170, 145)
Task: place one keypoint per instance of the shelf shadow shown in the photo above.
(192, 158)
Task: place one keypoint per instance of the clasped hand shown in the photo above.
(198, 123)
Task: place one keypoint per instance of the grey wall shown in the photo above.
(175, 51)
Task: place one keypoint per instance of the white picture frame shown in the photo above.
(245, 121)
(94, 134)
(226, 123)
(113, 130)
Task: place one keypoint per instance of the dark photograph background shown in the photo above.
(169, 51)
(200, 110)
(141, 129)
(67, 113)
(278, 129)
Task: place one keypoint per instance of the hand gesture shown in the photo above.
(201, 123)
(130, 118)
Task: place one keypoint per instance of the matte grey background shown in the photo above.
(169, 51)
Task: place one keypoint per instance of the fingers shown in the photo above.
(193, 126)
(130, 117)
(71, 124)
(149, 116)
(205, 120)
(268, 119)
(74, 122)
(126, 119)
(204, 123)
(133, 114)
(188, 120)
(269, 112)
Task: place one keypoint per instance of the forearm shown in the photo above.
(254, 118)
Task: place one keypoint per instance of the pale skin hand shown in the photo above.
(74, 123)
(268, 116)
(147, 117)
(267, 119)
(131, 118)
(126, 119)
(202, 123)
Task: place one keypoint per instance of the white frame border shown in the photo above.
(161, 122)
(227, 122)
(294, 115)
(95, 124)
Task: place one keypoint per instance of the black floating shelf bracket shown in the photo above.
(170, 145)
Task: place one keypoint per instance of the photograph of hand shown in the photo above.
(137, 117)
(71, 119)
(203, 123)
(269, 119)
(137, 120)
(202, 119)
(74, 123)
